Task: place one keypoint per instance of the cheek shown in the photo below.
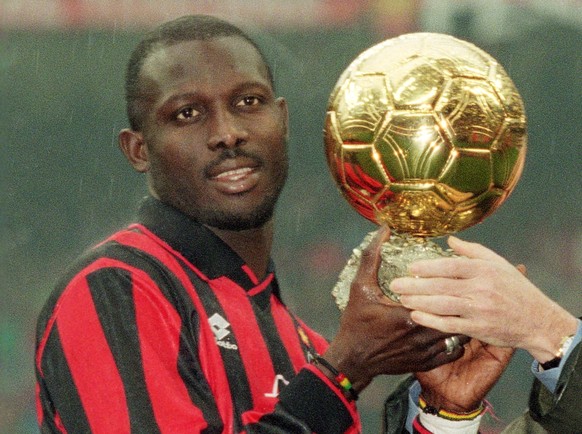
(176, 153)
(277, 140)
(173, 165)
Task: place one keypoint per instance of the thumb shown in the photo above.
(365, 281)
(372, 254)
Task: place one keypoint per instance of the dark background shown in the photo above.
(65, 184)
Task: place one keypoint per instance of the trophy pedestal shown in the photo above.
(397, 253)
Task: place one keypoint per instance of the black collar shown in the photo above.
(198, 244)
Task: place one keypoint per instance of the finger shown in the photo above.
(422, 285)
(443, 305)
(444, 355)
(452, 343)
(430, 349)
(451, 268)
(473, 250)
(372, 253)
(464, 339)
(445, 324)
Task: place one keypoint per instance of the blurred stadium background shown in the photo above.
(65, 185)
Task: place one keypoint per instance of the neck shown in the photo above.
(252, 245)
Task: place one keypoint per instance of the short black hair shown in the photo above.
(186, 28)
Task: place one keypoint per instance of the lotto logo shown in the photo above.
(219, 326)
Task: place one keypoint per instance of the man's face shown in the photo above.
(214, 133)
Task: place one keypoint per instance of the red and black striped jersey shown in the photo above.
(163, 328)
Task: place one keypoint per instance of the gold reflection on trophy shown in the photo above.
(427, 134)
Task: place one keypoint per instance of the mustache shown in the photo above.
(228, 154)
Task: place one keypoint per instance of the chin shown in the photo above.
(237, 220)
(239, 223)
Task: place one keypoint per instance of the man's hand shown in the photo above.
(484, 296)
(377, 336)
(462, 385)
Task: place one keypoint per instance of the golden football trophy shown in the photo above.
(425, 133)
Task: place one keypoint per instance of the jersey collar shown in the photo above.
(198, 244)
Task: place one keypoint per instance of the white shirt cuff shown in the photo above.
(436, 424)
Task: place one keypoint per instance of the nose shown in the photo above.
(226, 130)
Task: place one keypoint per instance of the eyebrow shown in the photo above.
(245, 86)
(179, 97)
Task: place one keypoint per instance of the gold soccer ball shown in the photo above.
(425, 132)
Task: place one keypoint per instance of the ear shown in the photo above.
(282, 104)
(133, 146)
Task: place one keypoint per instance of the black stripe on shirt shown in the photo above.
(112, 293)
(233, 363)
(61, 388)
(279, 355)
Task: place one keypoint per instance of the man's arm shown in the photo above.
(482, 295)
(376, 336)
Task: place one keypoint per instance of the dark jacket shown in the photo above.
(559, 412)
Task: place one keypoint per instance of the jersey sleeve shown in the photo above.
(313, 399)
(110, 358)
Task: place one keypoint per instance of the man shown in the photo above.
(175, 324)
(482, 295)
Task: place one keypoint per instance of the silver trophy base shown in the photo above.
(397, 253)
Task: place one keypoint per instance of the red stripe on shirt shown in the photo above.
(87, 352)
(264, 284)
(252, 347)
(251, 274)
(39, 411)
(159, 327)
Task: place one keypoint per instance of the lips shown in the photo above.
(234, 176)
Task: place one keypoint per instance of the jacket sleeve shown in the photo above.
(560, 411)
(557, 412)
(396, 408)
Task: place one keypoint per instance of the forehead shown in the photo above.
(219, 59)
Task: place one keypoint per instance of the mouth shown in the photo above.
(234, 176)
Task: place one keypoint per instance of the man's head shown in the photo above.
(206, 125)
(186, 28)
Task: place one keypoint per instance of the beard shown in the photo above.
(220, 219)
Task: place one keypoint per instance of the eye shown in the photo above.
(249, 100)
(187, 113)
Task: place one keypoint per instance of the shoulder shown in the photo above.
(108, 267)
